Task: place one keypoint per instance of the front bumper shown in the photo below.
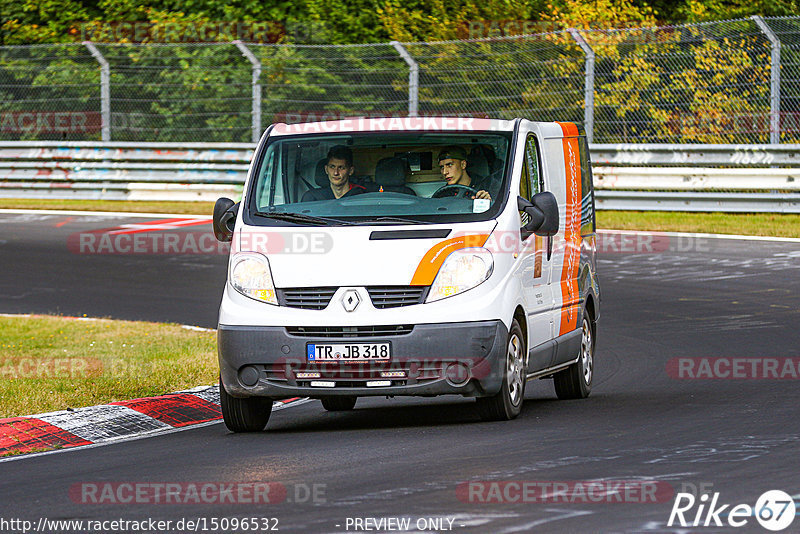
(436, 359)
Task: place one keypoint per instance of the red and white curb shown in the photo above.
(116, 421)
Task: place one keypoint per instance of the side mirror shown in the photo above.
(543, 213)
(225, 211)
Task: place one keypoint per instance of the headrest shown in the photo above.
(318, 169)
(391, 172)
(477, 163)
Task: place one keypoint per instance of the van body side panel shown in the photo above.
(555, 182)
(533, 267)
(564, 180)
(570, 296)
(567, 347)
(541, 356)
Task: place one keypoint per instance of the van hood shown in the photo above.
(359, 255)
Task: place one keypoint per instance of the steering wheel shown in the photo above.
(462, 191)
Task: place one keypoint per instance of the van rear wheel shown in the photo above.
(575, 382)
(249, 414)
(339, 404)
(507, 403)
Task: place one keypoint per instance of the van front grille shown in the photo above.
(307, 298)
(395, 296)
(349, 331)
(382, 297)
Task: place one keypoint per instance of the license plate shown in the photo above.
(348, 352)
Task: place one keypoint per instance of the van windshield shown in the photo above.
(386, 178)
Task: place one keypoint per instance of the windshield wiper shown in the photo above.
(301, 218)
(390, 220)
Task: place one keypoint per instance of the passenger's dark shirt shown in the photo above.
(326, 193)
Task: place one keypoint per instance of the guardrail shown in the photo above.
(695, 155)
(672, 177)
(697, 201)
(123, 171)
(734, 178)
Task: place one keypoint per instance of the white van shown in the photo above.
(408, 256)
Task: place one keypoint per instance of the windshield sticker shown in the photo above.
(479, 205)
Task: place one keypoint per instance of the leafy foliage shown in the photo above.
(700, 83)
(365, 21)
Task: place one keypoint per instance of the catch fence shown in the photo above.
(734, 82)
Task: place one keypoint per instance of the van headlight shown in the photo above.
(250, 275)
(461, 271)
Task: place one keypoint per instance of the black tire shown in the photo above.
(506, 404)
(575, 382)
(249, 414)
(339, 404)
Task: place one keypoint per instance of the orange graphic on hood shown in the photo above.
(433, 259)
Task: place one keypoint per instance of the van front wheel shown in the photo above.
(249, 414)
(575, 382)
(507, 403)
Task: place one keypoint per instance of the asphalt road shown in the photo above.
(432, 460)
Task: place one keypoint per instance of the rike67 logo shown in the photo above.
(774, 510)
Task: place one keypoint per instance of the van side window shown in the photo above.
(524, 182)
(529, 182)
(532, 165)
(587, 187)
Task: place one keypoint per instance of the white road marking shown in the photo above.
(103, 423)
(104, 213)
(560, 514)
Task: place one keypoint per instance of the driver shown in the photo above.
(339, 168)
(453, 166)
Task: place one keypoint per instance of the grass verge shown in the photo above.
(53, 363)
(761, 224)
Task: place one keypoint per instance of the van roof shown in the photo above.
(395, 124)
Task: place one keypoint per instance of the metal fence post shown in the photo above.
(774, 81)
(105, 90)
(413, 78)
(256, 111)
(588, 85)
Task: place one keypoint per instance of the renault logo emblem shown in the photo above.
(350, 300)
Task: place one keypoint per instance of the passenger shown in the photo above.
(453, 166)
(339, 168)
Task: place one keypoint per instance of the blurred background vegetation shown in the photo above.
(366, 21)
(675, 83)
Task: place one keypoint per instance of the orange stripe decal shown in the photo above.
(569, 129)
(428, 268)
(572, 235)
